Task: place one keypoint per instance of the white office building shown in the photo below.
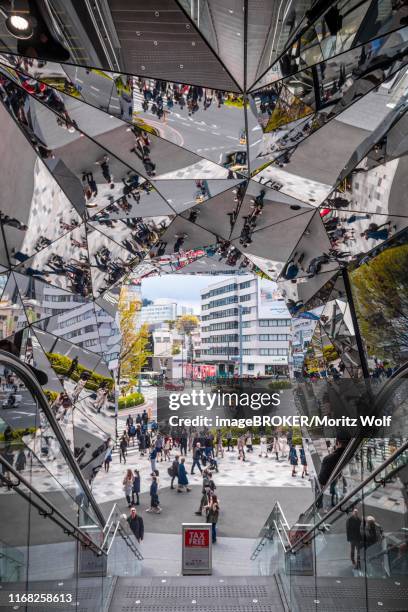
(243, 305)
(163, 310)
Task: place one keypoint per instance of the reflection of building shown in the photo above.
(265, 327)
(163, 310)
(86, 326)
(302, 333)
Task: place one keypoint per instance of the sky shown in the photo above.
(182, 288)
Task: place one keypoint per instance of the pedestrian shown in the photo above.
(293, 458)
(159, 446)
(142, 443)
(128, 486)
(205, 492)
(136, 487)
(212, 514)
(263, 446)
(182, 477)
(154, 496)
(276, 447)
(303, 462)
(353, 533)
(132, 433)
(136, 524)
(197, 458)
(167, 448)
(174, 471)
(153, 457)
(241, 448)
(220, 448)
(249, 444)
(183, 442)
(107, 460)
(229, 441)
(123, 444)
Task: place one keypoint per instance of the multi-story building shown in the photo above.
(240, 307)
(86, 325)
(163, 310)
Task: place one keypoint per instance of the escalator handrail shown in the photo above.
(350, 495)
(31, 383)
(355, 443)
(77, 531)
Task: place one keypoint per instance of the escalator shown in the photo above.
(320, 569)
(328, 562)
(54, 538)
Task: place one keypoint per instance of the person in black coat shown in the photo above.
(353, 533)
(174, 471)
(136, 487)
(154, 496)
(330, 461)
(136, 524)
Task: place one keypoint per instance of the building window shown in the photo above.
(245, 285)
(245, 298)
(273, 337)
(251, 367)
(274, 322)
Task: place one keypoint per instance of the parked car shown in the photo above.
(174, 385)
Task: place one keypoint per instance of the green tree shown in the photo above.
(133, 354)
(187, 323)
(381, 291)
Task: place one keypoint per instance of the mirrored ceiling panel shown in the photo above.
(65, 263)
(331, 30)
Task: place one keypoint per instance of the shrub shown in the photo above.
(19, 433)
(134, 399)
(61, 364)
(280, 384)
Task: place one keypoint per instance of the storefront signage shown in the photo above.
(196, 549)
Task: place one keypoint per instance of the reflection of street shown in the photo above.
(22, 416)
(209, 133)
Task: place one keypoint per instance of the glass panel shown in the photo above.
(15, 520)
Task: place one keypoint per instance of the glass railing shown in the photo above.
(368, 448)
(53, 536)
(272, 541)
(355, 558)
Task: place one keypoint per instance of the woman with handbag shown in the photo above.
(212, 514)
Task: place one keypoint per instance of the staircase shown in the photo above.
(197, 594)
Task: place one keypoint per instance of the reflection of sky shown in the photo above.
(185, 290)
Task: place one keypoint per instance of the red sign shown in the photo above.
(201, 371)
(196, 538)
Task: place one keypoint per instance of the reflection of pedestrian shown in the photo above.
(73, 366)
(21, 461)
(107, 460)
(372, 535)
(353, 532)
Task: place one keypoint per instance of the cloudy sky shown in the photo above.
(181, 288)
